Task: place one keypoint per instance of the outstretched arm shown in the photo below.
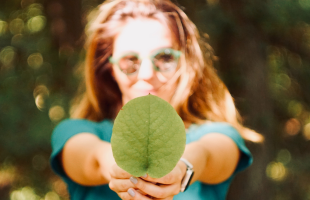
(214, 157)
(87, 160)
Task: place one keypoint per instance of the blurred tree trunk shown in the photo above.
(65, 20)
(248, 54)
(244, 56)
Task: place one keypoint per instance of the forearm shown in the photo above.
(87, 160)
(214, 157)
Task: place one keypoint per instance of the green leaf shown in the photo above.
(148, 137)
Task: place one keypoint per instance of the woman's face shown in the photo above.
(143, 37)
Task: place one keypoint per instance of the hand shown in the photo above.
(166, 187)
(123, 184)
(128, 187)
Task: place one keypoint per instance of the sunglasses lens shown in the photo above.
(129, 64)
(165, 61)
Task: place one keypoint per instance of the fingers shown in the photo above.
(120, 185)
(162, 191)
(119, 173)
(128, 187)
(173, 177)
(168, 179)
(132, 194)
(124, 189)
(140, 189)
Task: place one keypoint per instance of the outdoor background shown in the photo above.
(263, 55)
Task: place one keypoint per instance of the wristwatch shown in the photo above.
(188, 175)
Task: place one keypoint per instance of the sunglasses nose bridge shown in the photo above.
(146, 70)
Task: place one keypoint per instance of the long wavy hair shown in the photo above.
(200, 96)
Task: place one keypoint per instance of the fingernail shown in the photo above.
(144, 176)
(133, 180)
(131, 192)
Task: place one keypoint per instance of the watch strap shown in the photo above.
(188, 175)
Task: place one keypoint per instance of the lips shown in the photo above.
(146, 92)
(145, 89)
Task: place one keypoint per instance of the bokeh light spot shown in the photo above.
(284, 156)
(213, 2)
(292, 126)
(51, 196)
(3, 27)
(36, 24)
(34, 9)
(16, 39)
(295, 108)
(7, 175)
(60, 187)
(17, 26)
(40, 102)
(56, 113)
(306, 131)
(284, 80)
(7, 55)
(41, 89)
(35, 60)
(276, 171)
(275, 58)
(26, 193)
(40, 94)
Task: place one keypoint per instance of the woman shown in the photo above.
(137, 47)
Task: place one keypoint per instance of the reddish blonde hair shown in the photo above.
(200, 96)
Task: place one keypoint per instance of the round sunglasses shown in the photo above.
(163, 60)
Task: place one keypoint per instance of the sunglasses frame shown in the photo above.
(175, 53)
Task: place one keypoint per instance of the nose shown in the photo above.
(146, 70)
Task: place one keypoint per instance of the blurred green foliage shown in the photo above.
(263, 51)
